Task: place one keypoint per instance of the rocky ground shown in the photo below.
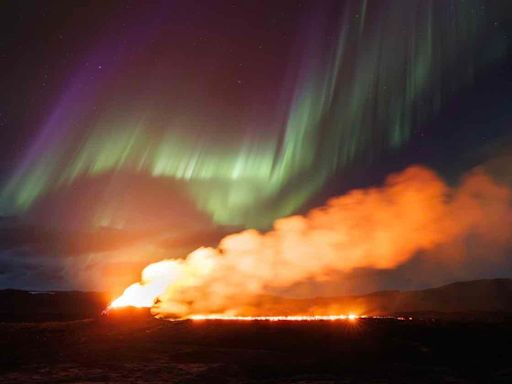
(136, 349)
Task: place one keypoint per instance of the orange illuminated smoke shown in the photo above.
(378, 228)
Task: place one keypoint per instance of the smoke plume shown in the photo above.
(379, 228)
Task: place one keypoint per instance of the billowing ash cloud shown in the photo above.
(380, 228)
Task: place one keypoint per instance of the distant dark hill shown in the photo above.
(470, 299)
(491, 295)
(17, 305)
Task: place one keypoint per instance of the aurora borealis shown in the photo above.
(138, 131)
(360, 79)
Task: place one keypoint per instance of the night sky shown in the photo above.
(133, 131)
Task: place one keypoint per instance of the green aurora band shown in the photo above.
(365, 81)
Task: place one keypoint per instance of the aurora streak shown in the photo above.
(345, 99)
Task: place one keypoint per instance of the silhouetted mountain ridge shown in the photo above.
(19, 305)
(486, 295)
(455, 299)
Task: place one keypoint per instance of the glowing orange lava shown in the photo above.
(350, 317)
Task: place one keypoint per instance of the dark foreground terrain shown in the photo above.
(59, 337)
(133, 348)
